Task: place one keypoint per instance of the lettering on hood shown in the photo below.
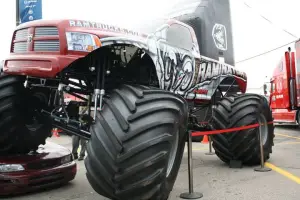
(107, 27)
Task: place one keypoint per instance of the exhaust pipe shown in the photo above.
(292, 81)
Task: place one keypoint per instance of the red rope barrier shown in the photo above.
(214, 132)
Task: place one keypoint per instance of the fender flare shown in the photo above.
(113, 41)
(235, 81)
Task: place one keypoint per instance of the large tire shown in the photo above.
(237, 111)
(22, 127)
(134, 136)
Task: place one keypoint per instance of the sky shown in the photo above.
(252, 34)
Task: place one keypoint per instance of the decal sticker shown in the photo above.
(219, 36)
(88, 24)
(178, 69)
(183, 72)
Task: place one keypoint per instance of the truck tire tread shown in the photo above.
(130, 162)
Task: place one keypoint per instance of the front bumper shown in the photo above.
(38, 65)
(29, 181)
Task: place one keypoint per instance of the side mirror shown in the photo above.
(265, 89)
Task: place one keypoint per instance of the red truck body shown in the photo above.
(39, 48)
(285, 88)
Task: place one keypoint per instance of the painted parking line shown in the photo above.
(288, 143)
(288, 136)
(283, 172)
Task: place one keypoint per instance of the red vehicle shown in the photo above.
(49, 166)
(285, 88)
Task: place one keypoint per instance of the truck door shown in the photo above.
(177, 58)
(284, 81)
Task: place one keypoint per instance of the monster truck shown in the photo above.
(146, 89)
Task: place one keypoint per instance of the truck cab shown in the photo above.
(284, 90)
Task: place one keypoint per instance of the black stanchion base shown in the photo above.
(194, 195)
(210, 153)
(235, 164)
(262, 169)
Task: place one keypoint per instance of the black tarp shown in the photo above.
(211, 20)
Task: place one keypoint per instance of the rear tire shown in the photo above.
(237, 111)
(137, 143)
(22, 127)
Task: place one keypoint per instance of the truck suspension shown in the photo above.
(100, 81)
(71, 123)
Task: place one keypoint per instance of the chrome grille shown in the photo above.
(46, 31)
(46, 45)
(40, 45)
(22, 34)
(20, 47)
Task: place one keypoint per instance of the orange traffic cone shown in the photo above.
(205, 140)
(55, 132)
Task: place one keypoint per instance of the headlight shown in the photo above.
(11, 168)
(66, 159)
(82, 41)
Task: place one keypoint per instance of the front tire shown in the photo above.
(22, 128)
(237, 111)
(137, 144)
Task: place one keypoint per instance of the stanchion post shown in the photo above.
(191, 194)
(210, 147)
(262, 167)
(209, 137)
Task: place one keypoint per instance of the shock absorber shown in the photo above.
(99, 91)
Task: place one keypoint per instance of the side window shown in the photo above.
(179, 36)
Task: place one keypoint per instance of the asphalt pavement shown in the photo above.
(211, 176)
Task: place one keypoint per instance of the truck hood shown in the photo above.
(45, 152)
(96, 28)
